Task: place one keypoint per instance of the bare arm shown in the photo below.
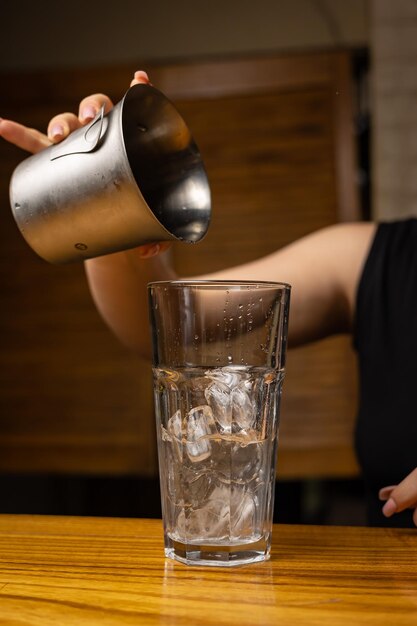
(323, 268)
(118, 285)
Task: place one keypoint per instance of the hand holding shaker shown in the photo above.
(218, 362)
(130, 177)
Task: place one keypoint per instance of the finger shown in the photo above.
(385, 492)
(402, 496)
(91, 105)
(62, 125)
(164, 246)
(28, 139)
(140, 78)
(152, 249)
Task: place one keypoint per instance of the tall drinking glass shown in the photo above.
(218, 365)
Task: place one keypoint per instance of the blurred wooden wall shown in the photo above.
(276, 135)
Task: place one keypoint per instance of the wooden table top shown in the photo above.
(69, 570)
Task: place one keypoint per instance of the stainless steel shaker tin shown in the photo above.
(130, 177)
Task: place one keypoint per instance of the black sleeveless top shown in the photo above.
(385, 338)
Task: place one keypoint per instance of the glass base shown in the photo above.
(217, 555)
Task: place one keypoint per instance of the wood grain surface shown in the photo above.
(112, 572)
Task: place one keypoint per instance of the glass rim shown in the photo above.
(266, 284)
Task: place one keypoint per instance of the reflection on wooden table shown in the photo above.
(68, 570)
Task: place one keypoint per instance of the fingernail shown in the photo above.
(56, 132)
(141, 74)
(88, 114)
(389, 507)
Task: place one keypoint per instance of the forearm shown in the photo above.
(118, 285)
(323, 269)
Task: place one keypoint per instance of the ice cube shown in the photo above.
(197, 490)
(174, 430)
(226, 515)
(229, 376)
(165, 436)
(210, 521)
(218, 397)
(243, 410)
(247, 459)
(200, 425)
(243, 515)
